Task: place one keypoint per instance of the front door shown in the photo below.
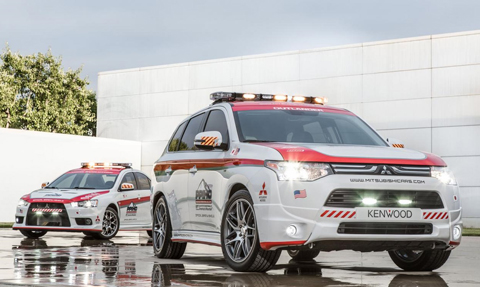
(127, 202)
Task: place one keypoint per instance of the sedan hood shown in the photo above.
(63, 195)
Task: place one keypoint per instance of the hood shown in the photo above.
(63, 195)
(354, 154)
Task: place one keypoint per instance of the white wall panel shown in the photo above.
(126, 129)
(338, 90)
(106, 85)
(456, 111)
(128, 83)
(397, 86)
(163, 104)
(289, 88)
(53, 155)
(465, 170)
(148, 170)
(151, 151)
(398, 114)
(458, 50)
(408, 55)
(164, 79)
(270, 69)
(122, 107)
(158, 128)
(331, 63)
(456, 141)
(417, 139)
(456, 81)
(217, 74)
(470, 200)
(200, 98)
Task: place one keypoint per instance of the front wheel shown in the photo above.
(240, 242)
(419, 260)
(110, 225)
(303, 255)
(163, 246)
(33, 234)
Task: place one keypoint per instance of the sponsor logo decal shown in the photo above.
(375, 213)
(132, 209)
(297, 109)
(300, 193)
(263, 194)
(97, 219)
(203, 199)
(235, 151)
(385, 170)
(53, 194)
(389, 180)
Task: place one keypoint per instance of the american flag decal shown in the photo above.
(300, 193)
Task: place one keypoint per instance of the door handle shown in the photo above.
(168, 170)
(193, 169)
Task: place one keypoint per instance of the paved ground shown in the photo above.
(70, 259)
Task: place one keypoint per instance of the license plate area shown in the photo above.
(389, 214)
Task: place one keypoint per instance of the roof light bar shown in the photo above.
(106, 164)
(232, 97)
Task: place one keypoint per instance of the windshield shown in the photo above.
(304, 127)
(84, 181)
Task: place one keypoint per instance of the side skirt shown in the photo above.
(209, 238)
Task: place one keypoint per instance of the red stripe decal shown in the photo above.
(61, 200)
(338, 214)
(440, 213)
(447, 216)
(331, 213)
(268, 245)
(353, 213)
(444, 215)
(325, 212)
(428, 215)
(346, 213)
(134, 200)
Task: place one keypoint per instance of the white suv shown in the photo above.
(259, 173)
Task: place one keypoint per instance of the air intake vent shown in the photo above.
(381, 169)
(384, 228)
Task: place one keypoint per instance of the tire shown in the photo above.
(239, 235)
(110, 225)
(150, 233)
(163, 246)
(426, 260)
(303, 255)
(33, 234)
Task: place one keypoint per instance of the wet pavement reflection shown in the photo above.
(61, 259)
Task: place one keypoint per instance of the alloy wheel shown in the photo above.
(160, 226)
(110, 223)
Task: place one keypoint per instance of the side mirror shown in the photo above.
(395, 143)
(127, 186)
(45, 184)
(209, 140)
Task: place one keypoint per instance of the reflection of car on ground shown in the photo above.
(96, 199)
(258, 173)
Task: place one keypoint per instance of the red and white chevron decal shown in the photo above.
(435, 215)
(338, 214)
(47, 209)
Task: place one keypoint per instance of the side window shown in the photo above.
(129, 178)
(216, 122)
(143, 181)
(191, 131)
(173, 146)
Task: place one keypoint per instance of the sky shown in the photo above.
(115, 34)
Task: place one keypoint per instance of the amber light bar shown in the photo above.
(106, 164)
(232, 97)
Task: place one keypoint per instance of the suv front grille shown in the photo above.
(381, 169)
(47, 214)
(384, 228)
(349, 198)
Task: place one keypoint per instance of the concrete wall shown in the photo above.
(29, 158)
(424, 91)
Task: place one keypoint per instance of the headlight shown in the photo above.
(304, 171)
(85, 203)
(22, 202)
(444, 175)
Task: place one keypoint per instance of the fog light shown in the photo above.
(291, 230)
(369, 201)
(38, 212)
(54, 213)
(457, 232)
(405, 201)
(88, 221)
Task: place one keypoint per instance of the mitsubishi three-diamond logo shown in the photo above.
(385, 170)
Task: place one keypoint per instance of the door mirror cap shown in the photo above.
(127, 186)
(393, 142)
(209, 141)
(45, 184)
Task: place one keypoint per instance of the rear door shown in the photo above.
(143, 200)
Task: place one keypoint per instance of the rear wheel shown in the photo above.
(303, 255)
(163, 246)
(419, 260)
(110, 225)
(240, 242)
(34, 234)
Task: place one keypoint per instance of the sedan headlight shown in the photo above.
(303, 171)
(85, 203)
(22, 202)
(444, 175)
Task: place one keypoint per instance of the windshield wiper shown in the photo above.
(78, 187)
(257, 141)
(51, 187)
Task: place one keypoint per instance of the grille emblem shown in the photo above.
(385, 170)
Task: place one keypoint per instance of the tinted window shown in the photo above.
(84, 180)
(191, 131)
(173, 146)
(129, 178)
(304, 127)
(143, 181)
(216, 122)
